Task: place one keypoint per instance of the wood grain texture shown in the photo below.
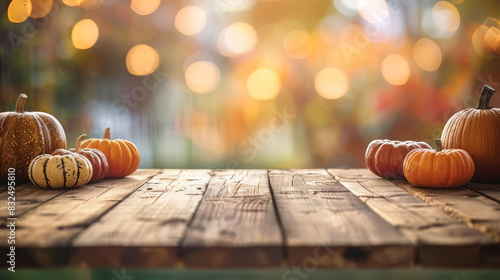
(235, 225)
(325, 225)
(146, 229)
(44, 234)
(28, 197)
(477, 211)
(255, 218)
(441, 240)
(489, 190)
(4, 188)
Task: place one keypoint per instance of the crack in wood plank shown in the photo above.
(441, 240)
(235, 224)
(318, 213)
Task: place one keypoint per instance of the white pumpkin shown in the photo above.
(67, 171)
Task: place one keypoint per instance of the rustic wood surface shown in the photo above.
(148, 226)
(338, 218)
(440, 240)
(235, 225)
(318, 213)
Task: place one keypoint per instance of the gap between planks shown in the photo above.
(325, 224)
(45, 230)
(235, 224)
(477, 211)
(441, 240)
(146, 228)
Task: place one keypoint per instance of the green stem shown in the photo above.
(484, 98)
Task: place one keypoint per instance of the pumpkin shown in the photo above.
(477, 131)
(60, 171)
(447, 168)
(95, 157)
(385, 157)
(26, 135)
(122, 155)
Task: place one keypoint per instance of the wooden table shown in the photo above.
(336, 218)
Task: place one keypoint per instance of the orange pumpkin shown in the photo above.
(96, 158)
(26, 135)
(122, 155)
(385, 157)
(438, 169)
(477, 131)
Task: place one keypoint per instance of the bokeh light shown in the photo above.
(40, 8)
(346, 7)
(232, 6)
(142, 60)
(395, 69)
(486, 38)
(144, 7)
(202, 77)
(218, 70)
(298, 44)
(331, 83)
(477, 41)
(446, 16)
(19, 10)
(190, 20)
(264, 84)
(85, 34)
(91, 4)
(73, 3)
(427, 54)
(492, 38)
(373, 10)
(238, 38)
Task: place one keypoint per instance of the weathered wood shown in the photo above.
(146, 229)
(4, 188)
(479, 212)
(325, 225)
(27, 197)
(235, 225)
(441, 240)
(346, 219)
(488, 190)
(44, 234)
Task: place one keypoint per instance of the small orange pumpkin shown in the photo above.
(438, 169)
(122, 155)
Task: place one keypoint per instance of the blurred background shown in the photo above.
(249, 83)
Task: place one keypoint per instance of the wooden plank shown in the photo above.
(479, 212)
(441, 240)
(325, 224)
(28, 197)
(146, 229)
(43, 234)
(235, 225)
(489, 190)
(4, 188)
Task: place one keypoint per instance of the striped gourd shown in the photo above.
(67, 171)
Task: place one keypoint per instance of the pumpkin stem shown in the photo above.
(78, 144)
(485, 96)
(439, 145)
(20, 103)
(107, 134)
